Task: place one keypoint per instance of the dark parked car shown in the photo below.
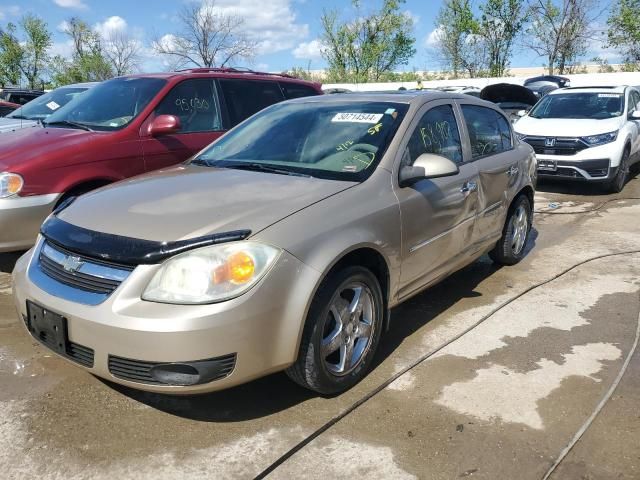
(19, 95)
(7, 107)
(544, 84)
(124, 127)
(511, 98)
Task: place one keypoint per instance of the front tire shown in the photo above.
(341, 333)
(510, 249)
(618, 182)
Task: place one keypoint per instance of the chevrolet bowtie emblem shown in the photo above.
(72, 264)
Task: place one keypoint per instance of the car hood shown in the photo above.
(508, 93)
(29, 144)
(192, 201)
(12, 124)
(567, 127)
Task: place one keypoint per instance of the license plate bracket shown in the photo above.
(48, 327)
(548, 165)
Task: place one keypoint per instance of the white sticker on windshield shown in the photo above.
(357, 117)
(53, 105)
(608, 95)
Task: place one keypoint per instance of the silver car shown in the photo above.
(282, 246)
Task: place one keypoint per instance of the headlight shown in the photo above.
(594, 140)
(520, 136)
(10, 184)
(211, 274)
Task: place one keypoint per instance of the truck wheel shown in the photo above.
(511, 247)
(341, 333)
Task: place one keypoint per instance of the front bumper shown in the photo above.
(261, 329)
(20, 220)
(598, 170)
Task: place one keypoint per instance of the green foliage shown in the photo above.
(624, 30)
(35, 57)
(500, 25)
(368, 46)
(603, 65)
(11, 56)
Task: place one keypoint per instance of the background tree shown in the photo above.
(208, 38)
(122, 52)
(624, 31)
(560, 30)
(37, 43)
(500, 25)
(11, 56)
(458, 40)
(369, 45)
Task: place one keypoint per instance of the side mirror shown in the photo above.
(521, 113)
(427, 166)
(635, 115)
(164, 125)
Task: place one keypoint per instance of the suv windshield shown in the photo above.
(109, 106)
(337, 140)
(594, 105)
(45, 105)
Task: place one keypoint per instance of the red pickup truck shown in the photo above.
(124, 127)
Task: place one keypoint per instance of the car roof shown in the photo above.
(392, 96)
(223, 73)
(591, 89)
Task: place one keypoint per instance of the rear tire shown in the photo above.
(510, 249)
(341, 333)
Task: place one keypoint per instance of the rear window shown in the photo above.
(246, 97)
(296, 90)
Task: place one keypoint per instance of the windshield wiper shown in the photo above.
(69, 123)
(259, 167)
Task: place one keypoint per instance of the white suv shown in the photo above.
(585, 133)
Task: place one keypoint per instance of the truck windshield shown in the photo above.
(593, 105)
(112, 105)
(332, 140)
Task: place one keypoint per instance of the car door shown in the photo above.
(634, 105)
(196, 104)
(492, 151)
(437, 214)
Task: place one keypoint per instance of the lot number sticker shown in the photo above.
(53, 105)
(357, 117)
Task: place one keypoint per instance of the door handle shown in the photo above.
(468, 187)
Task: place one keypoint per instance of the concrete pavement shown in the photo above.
(500, 402)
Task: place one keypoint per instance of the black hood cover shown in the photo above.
(508, 93)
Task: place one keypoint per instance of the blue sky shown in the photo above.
(286, 30)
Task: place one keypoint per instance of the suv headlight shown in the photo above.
(520, 136)
(601, 139)
(211, 274)
(10, 184)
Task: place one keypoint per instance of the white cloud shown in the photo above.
(9, 11)
(433, 38)
(272, 24)
(309, 50)
(111, 25)
(78, 4)
(414, 17)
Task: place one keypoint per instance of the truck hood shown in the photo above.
(192, 201)
(29, 144)
(574, 127)
(12, 124)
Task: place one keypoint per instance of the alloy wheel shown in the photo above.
(520, 229)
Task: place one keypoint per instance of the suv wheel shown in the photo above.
(618, 182)
(511, 247)
(341, 333)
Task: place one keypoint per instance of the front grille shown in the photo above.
(140, 371)
(563, 146)
(91, 276)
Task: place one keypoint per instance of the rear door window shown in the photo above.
(489, 131)
(195, 103)
(243, 98)
(297, 90)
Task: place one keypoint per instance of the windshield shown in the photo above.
(45, 105)
(337, 140)
(591, 105)
(109, 106)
